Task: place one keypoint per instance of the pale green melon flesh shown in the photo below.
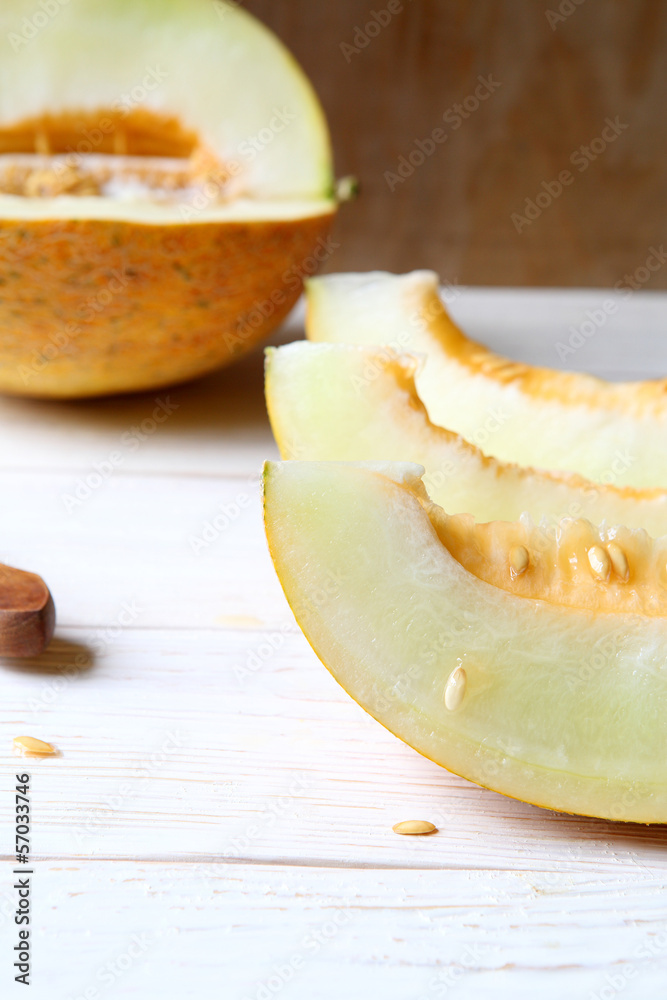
(337, 402)
(210, 64)
(563, 708)
(610, 440)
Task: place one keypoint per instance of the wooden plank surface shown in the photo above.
(217, 794)
(306, 932)
(388, 81)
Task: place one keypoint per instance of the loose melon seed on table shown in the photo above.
(32, 747)
(414, 827)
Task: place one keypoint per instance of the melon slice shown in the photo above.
(337, 402)
(608, 432)
(165, 185)
(549, 699)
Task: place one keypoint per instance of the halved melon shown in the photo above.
(337, 402)
(165, 185)
(551, 699)
(608, 432)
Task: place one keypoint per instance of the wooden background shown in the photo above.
(559, 82)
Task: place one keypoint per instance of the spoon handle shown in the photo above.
(27, 613)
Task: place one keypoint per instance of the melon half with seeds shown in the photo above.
(338, 402)
(609, 432)
(165, 185)
(531, 662)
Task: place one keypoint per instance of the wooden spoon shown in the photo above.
(27, 613)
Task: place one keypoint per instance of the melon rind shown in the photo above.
(104, 295)
(564, 708)
(340, 402)
(608, 432)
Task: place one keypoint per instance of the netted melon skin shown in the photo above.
(91, 307)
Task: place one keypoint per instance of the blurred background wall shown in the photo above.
(522, 91)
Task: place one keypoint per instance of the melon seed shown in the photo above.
(519, 560)
(455, 689)
(30, 745)
(599, 562)
(414, 827)
(619, 560)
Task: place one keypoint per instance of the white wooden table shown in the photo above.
(218, 824)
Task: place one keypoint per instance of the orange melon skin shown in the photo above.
(94, 307)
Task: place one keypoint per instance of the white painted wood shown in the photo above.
(241, 746)
(218, 930)
(218, 792)
(142, 538)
